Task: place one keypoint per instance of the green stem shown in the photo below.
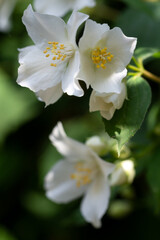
(151, 76)
(134, 68)
(144, 72)
(136, 62)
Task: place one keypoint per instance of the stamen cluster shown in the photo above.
(100, 57)
(82, 176)
(58, 51)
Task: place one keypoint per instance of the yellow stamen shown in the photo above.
(82, 176)
(53, 65)
(100, 57)
(59, 51)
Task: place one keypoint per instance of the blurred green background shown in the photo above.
(26, 153)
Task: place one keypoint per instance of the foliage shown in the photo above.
(26, 153)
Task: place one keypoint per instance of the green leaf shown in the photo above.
(129, 118)
(145, 53)
(150, 8)
(138, 24)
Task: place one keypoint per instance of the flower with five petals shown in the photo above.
(81, 172)
(50, 67)
(104, 55)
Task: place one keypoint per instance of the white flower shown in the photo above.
(50, 67)
(104, 54)
(6, 8)
(107, 103)
(123, 173)
(81, 172)
(61, 7)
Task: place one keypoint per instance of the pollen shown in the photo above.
(82, 175)
(59, 52)
(53, 64)
(101, 57)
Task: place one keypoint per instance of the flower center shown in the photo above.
(58, 52)
(100, 57)
(83, 174)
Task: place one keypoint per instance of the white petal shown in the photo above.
(95, 202)
(70, 83)
(109, 113)
(87, 71)
(120, 45)
(68, 147)
(107, 103)
(35, 71)
(51, 95)
(118, 98)
(108, 80)
(59, 186)
(43, 28)
(106, 168)
(84, 3)
(93, 32)
(75, 20)
(54, 7)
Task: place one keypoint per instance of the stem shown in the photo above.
(134, 68)
(144, 72)
(151, 76)
(136, 62)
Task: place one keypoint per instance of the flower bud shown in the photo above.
(98, 145)
(124, 153)
(123, 173)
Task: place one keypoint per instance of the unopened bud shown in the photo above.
(98, 145)
(124, 153)
(123, 173)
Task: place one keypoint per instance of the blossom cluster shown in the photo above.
(55, 64)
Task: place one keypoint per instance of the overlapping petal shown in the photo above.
(50, 95)
(59, 186)
(75, 20)
(68, 147)
(35, 71)
(107, 103)
(95, 201)
(54, 60)
(104, 54)
(70, 83)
